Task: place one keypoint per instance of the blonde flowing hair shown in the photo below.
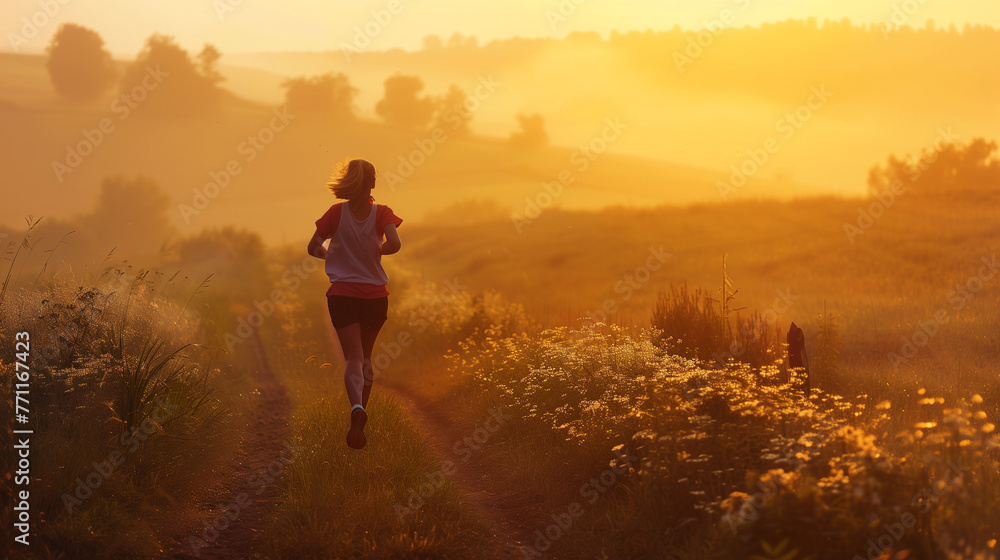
(354, 179)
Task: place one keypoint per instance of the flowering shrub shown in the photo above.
(112, 374)
(740, 452)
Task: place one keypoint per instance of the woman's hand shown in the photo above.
(316, 247)
(391, 244)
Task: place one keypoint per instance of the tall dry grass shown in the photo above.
(123, 407)
(338, 502)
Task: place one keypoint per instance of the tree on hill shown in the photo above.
(328, 94)
(402, 105)
(433, 43)
(532, 133)
(453, 114)
(228, 244)
(233, 256)
(132, 214)
(459, 41)
(79, 66)
(164, 79)
(948, 167)
(208, 63)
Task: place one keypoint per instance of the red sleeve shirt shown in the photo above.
(385, 217)
(328, 224)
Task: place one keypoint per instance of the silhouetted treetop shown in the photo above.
(165, 80)
(78, 64)
(208, 61)
(328, 94)
(402, 105)
(532, 133)
(132, 214)
(945, 168)
(454, 113)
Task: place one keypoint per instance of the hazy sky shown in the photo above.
(289, 25)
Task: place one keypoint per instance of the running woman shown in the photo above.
(360, 232)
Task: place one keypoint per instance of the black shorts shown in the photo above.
(346, 310)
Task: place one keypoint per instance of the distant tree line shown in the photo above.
(947, 168)
(81, 69)
(404, 105)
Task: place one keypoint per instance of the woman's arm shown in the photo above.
(316, 247)
(391, 244)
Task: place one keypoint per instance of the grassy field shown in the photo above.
(627, 451)
(133, 411)
(612, 447)
(144, 401)
(794, 258)
(338, 502)
(625, 446)
(187, 393)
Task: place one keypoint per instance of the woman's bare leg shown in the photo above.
(367, 345)
(350, 342)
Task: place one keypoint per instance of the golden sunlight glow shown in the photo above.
(294, 25)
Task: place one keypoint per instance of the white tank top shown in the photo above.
(354, 252)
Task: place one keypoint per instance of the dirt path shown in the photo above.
(507, 510)
(249, 489)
